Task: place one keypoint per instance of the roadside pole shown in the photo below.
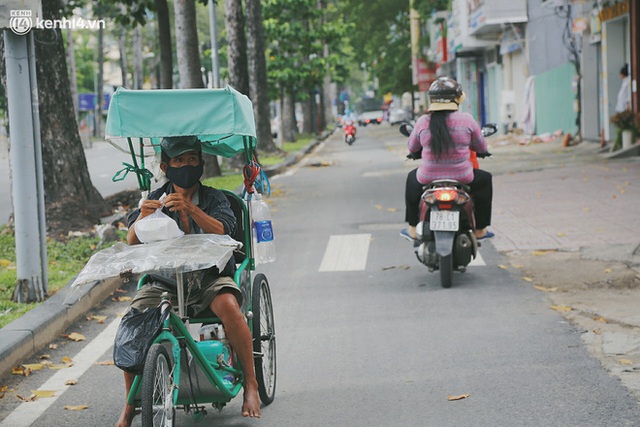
(26, 166)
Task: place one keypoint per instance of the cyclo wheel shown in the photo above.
(264, 339)
(446, 270)
(157, 399)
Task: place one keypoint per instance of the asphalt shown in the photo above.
(548, 199)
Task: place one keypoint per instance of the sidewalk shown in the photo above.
(568, 219)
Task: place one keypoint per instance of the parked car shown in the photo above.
(399, 115)
(371, 117)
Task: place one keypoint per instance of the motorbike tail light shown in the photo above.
(367, 121)
(446, 195)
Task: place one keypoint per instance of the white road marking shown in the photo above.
(27, 413)
(346, 253)
(478, 261)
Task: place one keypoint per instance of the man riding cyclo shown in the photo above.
(197, 209)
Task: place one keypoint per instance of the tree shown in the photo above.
(258, 84)
(189, 64)
(236, 46)
(72, 202)
(164, 41)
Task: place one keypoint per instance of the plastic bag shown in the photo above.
(156, 227)
(134, 336)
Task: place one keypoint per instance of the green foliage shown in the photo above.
(296, 32)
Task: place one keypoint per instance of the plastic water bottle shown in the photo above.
(264, 246)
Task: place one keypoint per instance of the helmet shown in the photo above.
(444, 94)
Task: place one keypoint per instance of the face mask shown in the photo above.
(185, 176)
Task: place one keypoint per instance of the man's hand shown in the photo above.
(148, 207)
(176, 202)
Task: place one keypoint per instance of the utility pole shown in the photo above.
(26, 155)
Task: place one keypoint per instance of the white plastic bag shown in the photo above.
(156, 227)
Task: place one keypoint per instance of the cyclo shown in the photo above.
(179, 371)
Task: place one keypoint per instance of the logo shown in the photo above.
(20, 22)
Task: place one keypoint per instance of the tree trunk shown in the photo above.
(71, 58)
(122, 48)
(164, 41)
(236, 46)
(189, 63)
(289, 126)
(72, 202)
(258, 86)
(138, 75)
(187, 44)
(307, 114)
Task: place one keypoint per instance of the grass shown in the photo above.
(64, 261)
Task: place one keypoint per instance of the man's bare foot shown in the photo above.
(127, 416)
(251, 404)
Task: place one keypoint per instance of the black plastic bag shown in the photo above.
(135, 334)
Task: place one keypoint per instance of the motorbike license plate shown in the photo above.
(444, 220)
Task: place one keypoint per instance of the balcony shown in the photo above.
(487, 17)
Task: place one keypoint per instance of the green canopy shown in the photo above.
(222, 119)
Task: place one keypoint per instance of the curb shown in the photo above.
(30, 333)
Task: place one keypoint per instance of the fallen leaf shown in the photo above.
(625, 362)
(75, 408)
(105, 363)
(122, 291)
(378, 206)
(5, 262)
(527, 279)
(43, 394)
(34, 366)
(458, 397)
(72, 381)
(4, 388)
(504, 267)
(44, 356)
(75, 336)
(31, 398)
(67, 360)
(561, 234)
(19, 370)
(586, 210)
(561, 308)
(392, 209)
(608, 270)
(100, 319)
(121, 299)
(518, 266)
(600, 319)
(53, 346)
(540, 253)
(544, 289)
(57, 366)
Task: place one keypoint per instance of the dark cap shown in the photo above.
(174, 146)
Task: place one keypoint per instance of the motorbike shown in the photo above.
(349, 130)
(445, 239)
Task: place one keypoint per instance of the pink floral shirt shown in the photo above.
(454, 164)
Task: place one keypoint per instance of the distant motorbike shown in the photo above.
(445, 239)
(349, 130)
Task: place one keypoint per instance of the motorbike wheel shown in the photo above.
(446, 271)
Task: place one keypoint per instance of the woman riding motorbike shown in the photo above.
(446, 137)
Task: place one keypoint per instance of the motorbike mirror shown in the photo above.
(489, 129)
(406, 129)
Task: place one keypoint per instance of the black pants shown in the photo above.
(481, 190)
